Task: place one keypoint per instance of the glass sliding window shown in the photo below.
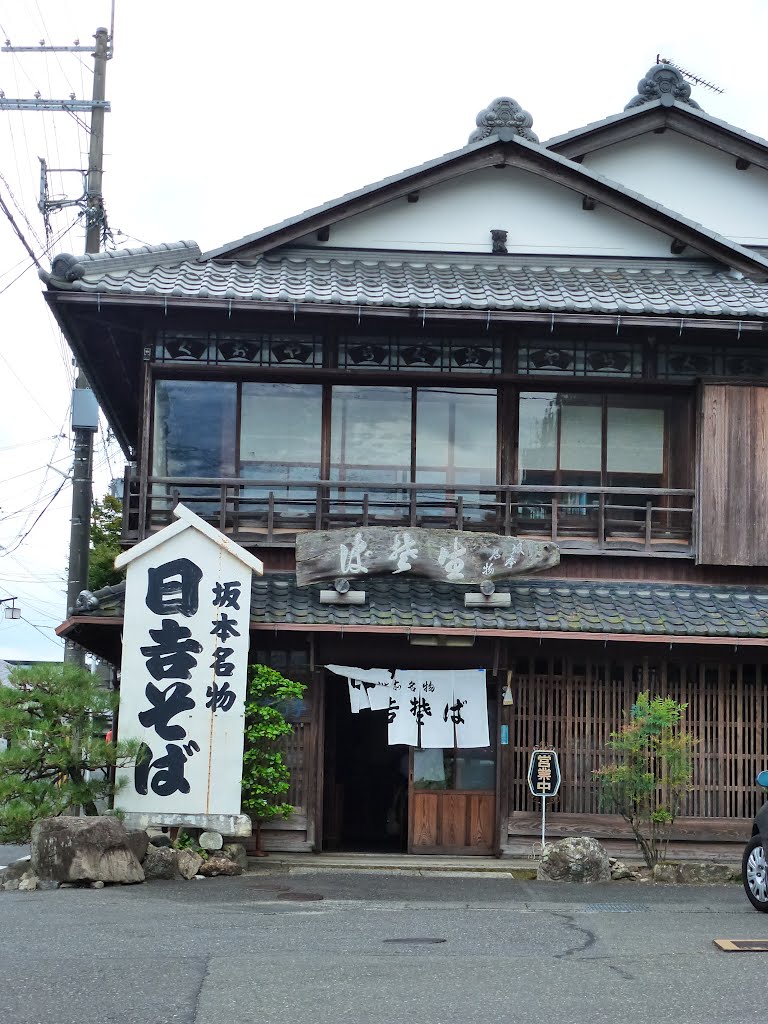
(455, 436)
(608, 440)
(194, 428)
(455, 447)
(280, 441)
(560, 443)
(371, 443)
(195, 425)
(581, 441)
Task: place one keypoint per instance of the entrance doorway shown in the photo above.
(365, 793)
(379, 798)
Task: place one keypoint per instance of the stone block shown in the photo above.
(235, 852)
(211, 840)
(188, 863)
(218, 865)
(15, 870)
(668, 873)
(160, 862)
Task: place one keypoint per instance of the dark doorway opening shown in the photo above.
(365, 800)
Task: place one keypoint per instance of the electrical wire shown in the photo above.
(58, 641)
(43, 253)
(10, 550)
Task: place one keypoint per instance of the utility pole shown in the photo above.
(95, 209)
(85, 411)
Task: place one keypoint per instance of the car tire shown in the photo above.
(754, 874)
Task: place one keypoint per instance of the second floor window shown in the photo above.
(281, 432)
(583, 440)
(443, 436)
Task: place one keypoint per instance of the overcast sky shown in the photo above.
(228, 117)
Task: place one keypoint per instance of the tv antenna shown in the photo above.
(696, 79)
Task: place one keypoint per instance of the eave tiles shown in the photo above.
(518, 284)
(538, 605)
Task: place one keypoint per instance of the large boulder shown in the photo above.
(160, 862)
(576, 859)
(138, 841)
(69, 849)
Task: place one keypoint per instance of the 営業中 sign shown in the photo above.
(544, 773)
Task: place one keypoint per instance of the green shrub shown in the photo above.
(652, 772)
(266, 777)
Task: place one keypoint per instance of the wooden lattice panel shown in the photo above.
(574, 705)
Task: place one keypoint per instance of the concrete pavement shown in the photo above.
(266, 948)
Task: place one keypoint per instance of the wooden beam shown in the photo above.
(512, 634)
(602, 136)
(439, 315)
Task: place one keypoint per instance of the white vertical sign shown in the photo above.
(184, 670)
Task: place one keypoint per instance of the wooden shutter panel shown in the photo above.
(732, 489)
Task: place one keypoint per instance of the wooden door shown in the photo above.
(453, 821)
(452, 806)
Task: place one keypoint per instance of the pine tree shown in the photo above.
(54, 718)
(106, 529)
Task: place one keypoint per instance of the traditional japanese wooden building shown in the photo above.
(560, 341)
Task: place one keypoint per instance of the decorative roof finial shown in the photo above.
(663, 82)
(503, 112)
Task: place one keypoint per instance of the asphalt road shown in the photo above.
(262, 949)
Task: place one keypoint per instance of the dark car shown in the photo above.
(754, 869)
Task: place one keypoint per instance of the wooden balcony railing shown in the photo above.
(647, 521)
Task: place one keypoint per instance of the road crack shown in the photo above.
(588, 935)
(199, 992)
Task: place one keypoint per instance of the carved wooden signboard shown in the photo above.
(448, 555)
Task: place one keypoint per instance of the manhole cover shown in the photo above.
(299, 897)
(742, 945)
(614, 908)
(412, 942)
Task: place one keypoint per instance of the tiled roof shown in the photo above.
(544, 605)
(635, 113)
(680, 288)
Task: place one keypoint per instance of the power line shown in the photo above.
(18, 378)
(59, 643)
(21, 211)
(19, 232)
(24, 536)
(43, 253)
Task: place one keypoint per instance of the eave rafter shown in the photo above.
(690, 123)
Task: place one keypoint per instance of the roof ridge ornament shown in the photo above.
(503, 112)
(663, 82)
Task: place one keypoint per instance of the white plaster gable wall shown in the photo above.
(540, 216)
(692, 178)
